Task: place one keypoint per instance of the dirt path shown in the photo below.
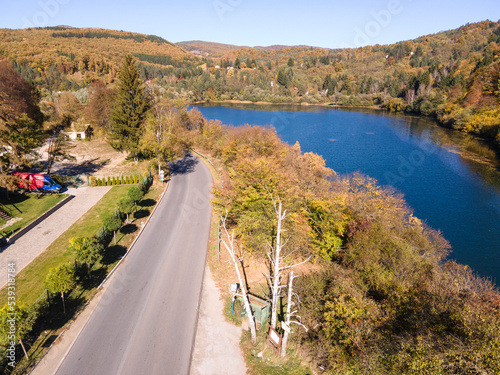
(217, 345)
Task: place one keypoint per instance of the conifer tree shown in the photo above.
(129, 109)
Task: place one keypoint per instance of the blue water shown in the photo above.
(457, 194)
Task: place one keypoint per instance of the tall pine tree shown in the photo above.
(129, 109)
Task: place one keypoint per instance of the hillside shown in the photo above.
(65, 58)
(452, 76)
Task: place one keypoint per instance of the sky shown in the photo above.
(329, 24)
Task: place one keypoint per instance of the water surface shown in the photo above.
(450, 179)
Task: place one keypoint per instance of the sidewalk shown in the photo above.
(33, 243)
(217, 344)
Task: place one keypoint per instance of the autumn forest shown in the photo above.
(377, 292)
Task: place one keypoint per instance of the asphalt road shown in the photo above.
(145, 322)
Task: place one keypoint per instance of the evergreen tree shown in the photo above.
(129, 109)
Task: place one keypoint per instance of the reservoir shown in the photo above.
(450, 179)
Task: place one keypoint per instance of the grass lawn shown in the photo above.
(28, 208)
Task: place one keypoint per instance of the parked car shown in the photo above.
(37, 182)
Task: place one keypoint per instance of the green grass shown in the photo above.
(28, 207)
(29, 282)
(271, 363)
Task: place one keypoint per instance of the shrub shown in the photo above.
(109, 181)
(146, 183)
(92, 181)
(135, 194)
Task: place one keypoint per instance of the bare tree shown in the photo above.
(229, 245)
(289, 314)
(278, 261)
(58, 149)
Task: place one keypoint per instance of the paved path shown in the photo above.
(34, 242)
(217, 346)
(145, 321)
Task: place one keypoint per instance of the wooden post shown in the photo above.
(24, 349)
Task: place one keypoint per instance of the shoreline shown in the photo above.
(303, 104)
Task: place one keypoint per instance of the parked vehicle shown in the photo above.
(37, 182)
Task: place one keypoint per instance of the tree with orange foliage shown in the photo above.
(20, 122)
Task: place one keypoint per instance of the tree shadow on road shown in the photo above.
(183, 166)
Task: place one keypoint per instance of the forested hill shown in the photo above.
(453, 76)
(65, 58)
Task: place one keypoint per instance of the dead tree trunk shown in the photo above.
(230, 249)
(279, 261)
(288, 315)
(275, 258)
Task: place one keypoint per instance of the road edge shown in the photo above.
(204, 270)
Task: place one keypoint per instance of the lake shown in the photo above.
(450, 179)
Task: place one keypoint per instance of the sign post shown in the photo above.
(162, 175)
(274, 338)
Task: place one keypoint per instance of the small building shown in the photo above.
(74, 135)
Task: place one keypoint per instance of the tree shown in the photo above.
(87, 250)
(126, 205)
(58, 150)
(98, 111)
(20, 122)
(61, 280)
(135, 194)
(160, 137)
(112, 223)
(279, 261)
(129, 110)
(23, 317)
(290, 62)
(229, 245)
(285, 76)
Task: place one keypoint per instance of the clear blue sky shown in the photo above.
(332, 23)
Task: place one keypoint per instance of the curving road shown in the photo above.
(145, 322)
